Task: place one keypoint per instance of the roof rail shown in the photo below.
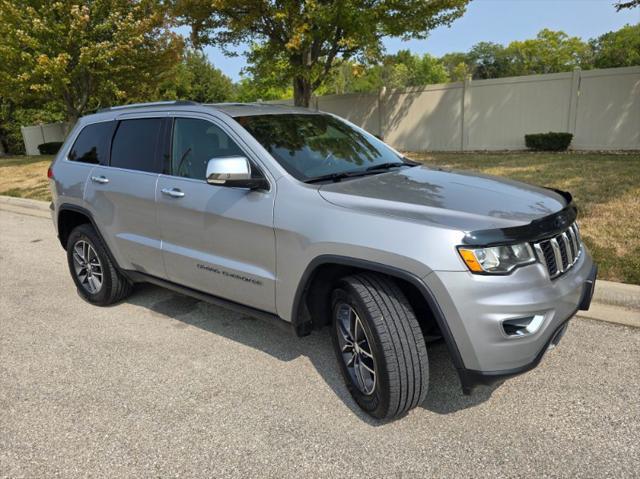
(142, 105)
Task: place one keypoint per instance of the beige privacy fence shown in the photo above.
(600, 107)
(39, 134)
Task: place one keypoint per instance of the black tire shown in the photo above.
(394, 338)
(114, 286)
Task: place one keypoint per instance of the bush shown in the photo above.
(50, 148)
(552, 141)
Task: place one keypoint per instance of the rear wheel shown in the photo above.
(97, 279)
(379, 345)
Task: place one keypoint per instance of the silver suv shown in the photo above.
(301, 216)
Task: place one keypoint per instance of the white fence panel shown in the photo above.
(361, 109)
(46, 133)
(600, 107)
(608, 111)
(502, 111)
(427, 118)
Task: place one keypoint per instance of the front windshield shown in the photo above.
(311, 146)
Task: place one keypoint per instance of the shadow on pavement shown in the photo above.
(279, 341)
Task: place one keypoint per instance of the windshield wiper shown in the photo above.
(387, 166)
(335, 176)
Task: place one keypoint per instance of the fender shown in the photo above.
(426, 293)
(88, 214)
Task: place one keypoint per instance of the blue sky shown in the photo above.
(500, 21)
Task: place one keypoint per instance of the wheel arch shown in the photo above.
(311, 311)
(69, 217)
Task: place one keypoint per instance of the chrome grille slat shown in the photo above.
(574, 239)
(565, 239)
(559, 253)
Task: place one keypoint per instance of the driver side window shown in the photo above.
(194, 143)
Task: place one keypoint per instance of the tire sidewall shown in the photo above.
(376, 403)
(86, 233)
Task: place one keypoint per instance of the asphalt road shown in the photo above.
(163, 385)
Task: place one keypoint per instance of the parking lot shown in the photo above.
(163, 385)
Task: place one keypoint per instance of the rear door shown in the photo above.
(216, 239)
(122, 194)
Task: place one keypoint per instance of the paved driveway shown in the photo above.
(163, 385)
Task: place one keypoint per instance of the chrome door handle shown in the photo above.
(100, 179)
(173, 192)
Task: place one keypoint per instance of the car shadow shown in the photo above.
(277, 339)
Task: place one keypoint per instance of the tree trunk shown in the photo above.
(301, 91)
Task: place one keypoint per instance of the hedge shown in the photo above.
(50, 148)
(552, 141)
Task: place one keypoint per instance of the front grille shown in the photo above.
(561, 252)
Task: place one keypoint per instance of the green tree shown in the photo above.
(263, 78)
(456, 65)
(413, 70)
(352, 77)
(488, 60)
(195, 78)
(617, 49)
(311, 35)
(549, 52)
(84, 54)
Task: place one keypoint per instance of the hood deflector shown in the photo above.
(537, 230)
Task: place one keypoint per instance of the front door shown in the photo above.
(215, 239)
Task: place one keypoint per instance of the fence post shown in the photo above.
(573, 103)
(381, 119)
(464, 113)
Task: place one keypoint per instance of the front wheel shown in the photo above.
(379, 345)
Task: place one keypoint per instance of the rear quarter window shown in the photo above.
(92, 144)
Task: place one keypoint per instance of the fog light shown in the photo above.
(519, 327)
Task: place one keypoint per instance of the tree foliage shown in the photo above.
(84, 54)
(195, 78)
(401, 70)
(628, 4)
(549, 52)
(617, 49)
(312, 35)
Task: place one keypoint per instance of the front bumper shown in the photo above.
(475, 308)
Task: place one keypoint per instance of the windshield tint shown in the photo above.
(309, 146)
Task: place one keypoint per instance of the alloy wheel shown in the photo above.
(87, 266)
(356, 348)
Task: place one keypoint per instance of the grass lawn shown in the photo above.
(606, 188)
(25, 176)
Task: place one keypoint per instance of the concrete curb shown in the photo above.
(25, 203)
(617, 294)
(25, 206)
(608, 293)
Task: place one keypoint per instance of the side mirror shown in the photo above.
(233, 171)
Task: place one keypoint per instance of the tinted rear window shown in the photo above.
(135, 145)
(92, 144)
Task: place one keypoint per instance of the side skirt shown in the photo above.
(138, 277)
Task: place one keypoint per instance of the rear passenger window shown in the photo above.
(135, 145)
(92, 144)
(195, 142)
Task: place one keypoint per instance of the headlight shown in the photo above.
(497, 259)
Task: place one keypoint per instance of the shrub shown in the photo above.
(552, 141)
(50, 148)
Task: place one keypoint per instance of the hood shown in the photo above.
(460, 200)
